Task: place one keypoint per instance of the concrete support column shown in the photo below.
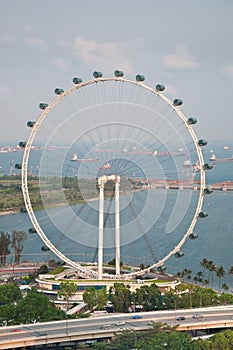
(101, 229)
(117, 225)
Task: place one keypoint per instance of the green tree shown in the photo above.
(101, 298)
(142, 266)
(149, 297)
(18, 237)
(89, 297)
(36, 307)
(121, 297)
(222, 340)
(67, 290)
(7, 314)
(5, 242)
(171, 341)
(124, 340)
(43, 269)
(95, 298)
(113, 262)
(9, 294)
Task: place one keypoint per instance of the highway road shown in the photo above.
(105, 326)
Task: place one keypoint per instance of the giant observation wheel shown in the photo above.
(120, 174)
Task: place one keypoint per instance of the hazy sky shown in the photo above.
(186, 45)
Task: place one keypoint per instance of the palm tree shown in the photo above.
(208, 265)
(5, 241)
(187, 273)
(211, 268)
(230, 271)
(220, 273)
(206, 282)
(204, 264)
(199, 277)
(225, 287)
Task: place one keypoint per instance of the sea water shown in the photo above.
(215, 233)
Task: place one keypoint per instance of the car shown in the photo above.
(198, 316)
(17, 330)
(105, 326)
(119, 323)
(136, 317)
(180, 318)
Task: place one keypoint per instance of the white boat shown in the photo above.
(212, 157)
(76, 159)
(187, 163)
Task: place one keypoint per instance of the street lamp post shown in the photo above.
(67, 325)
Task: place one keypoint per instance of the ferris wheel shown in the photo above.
(111, 160)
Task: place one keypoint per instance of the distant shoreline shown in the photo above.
(225, 187)
(8, 212)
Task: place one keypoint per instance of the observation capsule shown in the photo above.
(32, 230)
(207, 166)
(177, 102)
(160, 87)
(193, 236)
(192, 121)
(22, 144)
(179, 254)
(97, 74)
(140, 77)
(18, 166)
(202, 142)
(118, 73)
(58, 91)
(77, 80)
(44, 248)
(30, 124)
(23, 210)
(43, 105)
(203, 214)
(161, 268)
(208, 190)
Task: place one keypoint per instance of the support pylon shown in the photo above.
(101, 182)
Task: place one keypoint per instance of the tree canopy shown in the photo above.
(34, 307)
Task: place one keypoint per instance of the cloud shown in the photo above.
(229, 71)
(29, 29)
(65, 43)
(60, 63)
(108, 55)
(8, 39)
(34, 42)
(171, 90)
(4, 91)
(181, 59)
